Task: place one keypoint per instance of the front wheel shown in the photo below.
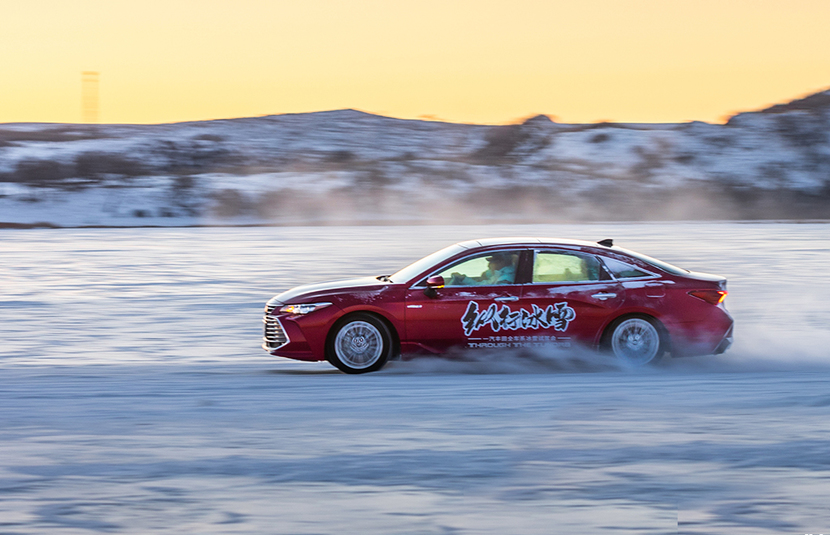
(360, 344)
(636, 341)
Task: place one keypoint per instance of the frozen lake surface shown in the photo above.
(135, 398)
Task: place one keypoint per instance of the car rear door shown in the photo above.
(572, 295)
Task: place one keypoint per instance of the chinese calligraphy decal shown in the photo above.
(556, 316)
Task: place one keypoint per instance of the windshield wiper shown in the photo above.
(384, 278)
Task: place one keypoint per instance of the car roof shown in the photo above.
(493, 242)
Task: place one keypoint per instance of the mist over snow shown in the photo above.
(352, 167)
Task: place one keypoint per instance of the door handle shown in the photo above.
(604, 296)
(509, 298)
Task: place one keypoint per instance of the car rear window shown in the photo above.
(665, 266)
(623, 270)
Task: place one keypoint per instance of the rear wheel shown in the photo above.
(361, 343)
(636, 340)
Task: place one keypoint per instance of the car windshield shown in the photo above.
(418, 267)
(665, 266)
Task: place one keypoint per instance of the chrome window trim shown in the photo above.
(567, 283)
(470, 286)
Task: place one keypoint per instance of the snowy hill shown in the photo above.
(349, 166)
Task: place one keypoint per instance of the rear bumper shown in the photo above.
(710, 336)
(725, 343)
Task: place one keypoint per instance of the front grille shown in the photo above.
(269, 309)
(275, 336)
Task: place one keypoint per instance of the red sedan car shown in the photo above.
(505, 293)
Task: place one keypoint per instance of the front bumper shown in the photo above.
(275, 335)
(297, 336)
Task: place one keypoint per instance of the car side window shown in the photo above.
(558, 266)
(489, 269)
(623, 270)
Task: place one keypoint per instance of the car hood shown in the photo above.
(302, 294)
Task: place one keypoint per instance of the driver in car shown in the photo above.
(500, 270)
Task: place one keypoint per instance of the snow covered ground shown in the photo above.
(345, 166)
(135, 397)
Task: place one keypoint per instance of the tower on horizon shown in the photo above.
(89, 96)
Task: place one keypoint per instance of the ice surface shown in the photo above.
(135, 397)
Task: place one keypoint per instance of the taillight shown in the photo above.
(713, 297)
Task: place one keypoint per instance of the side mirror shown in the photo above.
(436, 281)
(433, 283)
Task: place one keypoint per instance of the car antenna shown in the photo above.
(607, 242)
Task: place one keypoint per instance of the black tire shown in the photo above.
(359, 343)
(636, 340)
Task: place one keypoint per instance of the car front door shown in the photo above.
(465, 312)
(571, 295)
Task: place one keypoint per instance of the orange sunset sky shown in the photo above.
(481, 61)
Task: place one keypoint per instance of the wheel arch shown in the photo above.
(665, 337)
(396, 338)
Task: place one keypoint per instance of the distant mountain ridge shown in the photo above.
(348, 166)
(816, 101)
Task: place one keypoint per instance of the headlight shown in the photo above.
(307, 308)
